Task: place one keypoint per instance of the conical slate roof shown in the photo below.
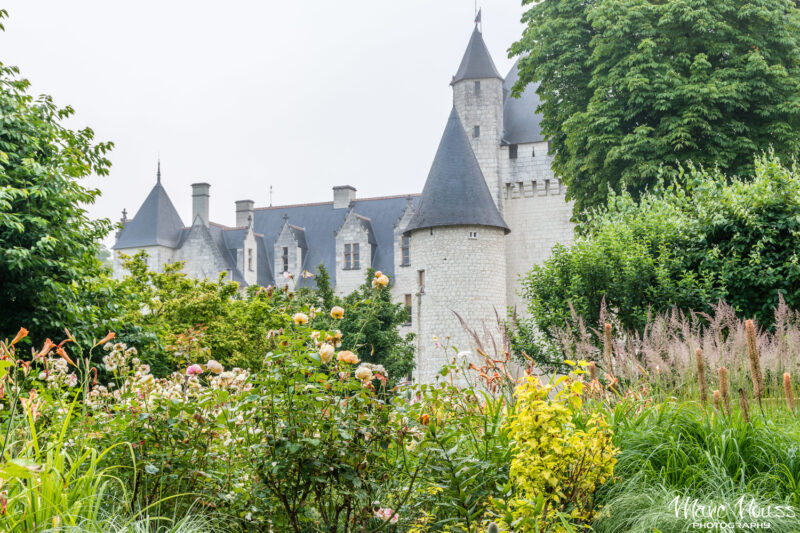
(455, 193)
(476, 63)
(156, 223)
(521, 120)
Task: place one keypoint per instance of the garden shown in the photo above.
(650, 385)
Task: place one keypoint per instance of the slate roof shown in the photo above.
(521, 121)
(320, 222)
(455, 192)
(156, 223)
(477, 62)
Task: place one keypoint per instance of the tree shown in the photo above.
(370, 325)
(631, 86)
(50, 276)
(705, 238)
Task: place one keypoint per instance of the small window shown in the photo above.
(476, 131)
(473, 234)
(533, 153)
(285, 258)
(250, 259)
(408, 309)
(477, 87)
(512, 151)
(348, 254)
(421, 280)
(356, 262)
(405, 251)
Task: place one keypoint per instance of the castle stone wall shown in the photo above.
(536, 211)
(404, 281)
(201, 255)
(461, 274)
(286, 239)
(159, 255)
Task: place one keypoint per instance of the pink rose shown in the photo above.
(194, 370)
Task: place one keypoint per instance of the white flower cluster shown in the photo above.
(57, 374)
(118, 356)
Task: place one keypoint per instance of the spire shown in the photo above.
(477, 62)
(158, 173)
(156, 223)
(455, 192)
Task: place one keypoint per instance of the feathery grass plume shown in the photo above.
(789, 390)
(743, 405)
(608, 347)
(592, 371)
(715, 398)
(701, 374)
(755, 363)
(724, 390)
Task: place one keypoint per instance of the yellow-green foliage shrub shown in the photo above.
(562, 454)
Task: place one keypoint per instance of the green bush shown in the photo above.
(685, 245)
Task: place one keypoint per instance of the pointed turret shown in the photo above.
(157, 222)
(477, 63)
(455, 192)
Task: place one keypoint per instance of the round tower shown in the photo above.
(457, 242)
(478, 98)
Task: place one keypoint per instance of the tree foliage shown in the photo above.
(49, 271)
(705, 238)
(631, 86)
(370, 327)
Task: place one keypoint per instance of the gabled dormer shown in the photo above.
(355, 251)
(290, 252)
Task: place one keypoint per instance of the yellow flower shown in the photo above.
(337, 312)
(380, 281)
(214, 367)
(300, 319)
(363, 374)
(378, 274)
(326, 352)
(347, 356)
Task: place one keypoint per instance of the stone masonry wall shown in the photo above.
(484, 108)
(536, 211)
(286, 239)
(201, 255)
(404, 281)
(461, 274)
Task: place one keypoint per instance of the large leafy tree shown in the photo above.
(629, 86)
(49, 271)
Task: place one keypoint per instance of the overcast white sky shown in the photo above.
(300, 95)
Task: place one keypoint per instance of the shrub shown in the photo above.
(561, 457)
(685, 245)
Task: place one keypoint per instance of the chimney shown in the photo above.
(244, 213)
(200, 196)
(343, 195)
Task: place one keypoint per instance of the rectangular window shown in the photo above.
(285, 258)
(250, 259)
(351, 256)
(477, 87)
(405, 251)
(473, 234)
(476, 131)
(347, 257)
(421, 280)
(512, 151)
(356, 261)
(408, 309)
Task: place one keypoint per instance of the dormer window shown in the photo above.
(476, 131)
(352, 260)
(250, 265)
(285, 258)
(405, 251)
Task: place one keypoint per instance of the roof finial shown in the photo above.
(478, 17)
(158, 173)
(124, 215)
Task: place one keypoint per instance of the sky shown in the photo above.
(244, 95)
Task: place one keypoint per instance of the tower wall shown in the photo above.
(159, 255)
(536, 211)
(484, 108)
(461, 274)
